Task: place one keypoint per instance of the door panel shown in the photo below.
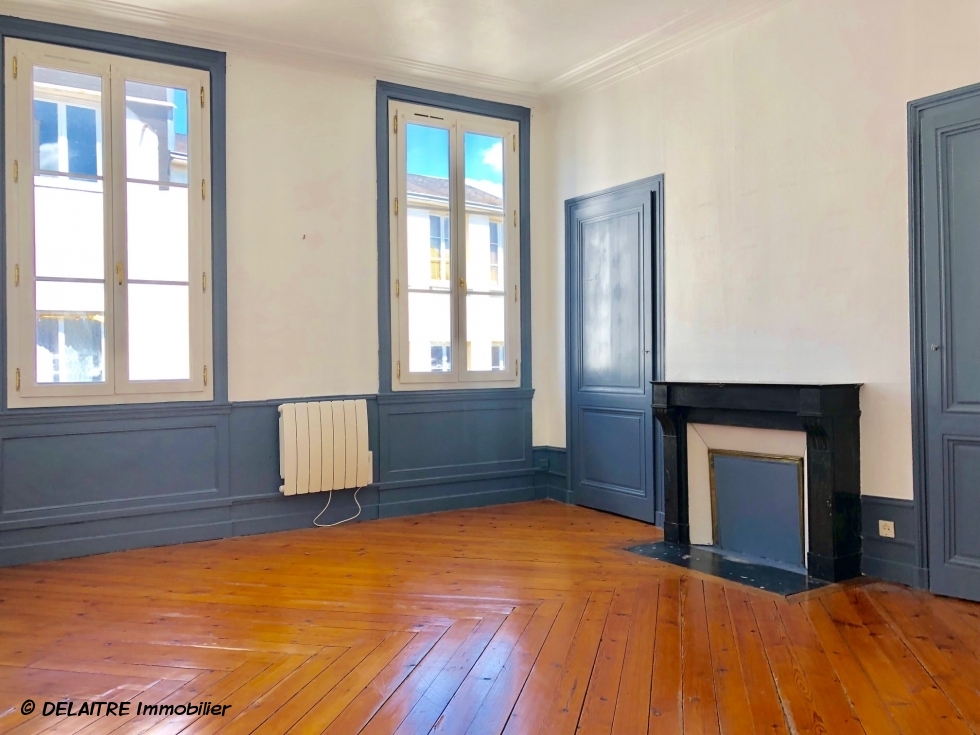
(611, 304)
(950, 159)
(961, 254)
(610, 269)
(611, 442)
(964, 532)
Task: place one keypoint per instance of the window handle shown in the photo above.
(119, 273)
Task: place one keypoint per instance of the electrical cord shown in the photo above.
(331, 525)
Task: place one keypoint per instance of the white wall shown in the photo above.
(302, 242)
(783, 145)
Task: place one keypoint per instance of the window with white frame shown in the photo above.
(108, 228)
(455, 249)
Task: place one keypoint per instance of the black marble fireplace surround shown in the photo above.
(830, 416)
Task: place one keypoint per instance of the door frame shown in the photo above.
(655, 184)
(921, 493)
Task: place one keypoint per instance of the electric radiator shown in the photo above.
(323, 446)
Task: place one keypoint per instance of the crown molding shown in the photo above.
(629, 58)
(119, 17)
(657, 46)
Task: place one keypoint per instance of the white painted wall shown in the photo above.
(783, 143)
(302, 242)
(302, 234)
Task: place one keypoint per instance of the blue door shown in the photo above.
(949, 303)
(610, 269)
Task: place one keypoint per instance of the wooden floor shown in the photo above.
(515, 619)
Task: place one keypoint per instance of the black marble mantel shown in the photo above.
(830, 416)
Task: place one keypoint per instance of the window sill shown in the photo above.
(17, 402)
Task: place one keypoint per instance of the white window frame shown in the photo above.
(458, 124)
(23, 390)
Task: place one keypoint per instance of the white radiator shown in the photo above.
(323, 446)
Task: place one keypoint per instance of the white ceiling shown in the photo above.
(524, 46)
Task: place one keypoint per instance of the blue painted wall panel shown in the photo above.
(44, 473)
(434, 441)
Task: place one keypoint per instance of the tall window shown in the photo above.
(108, 228)
(455, 249)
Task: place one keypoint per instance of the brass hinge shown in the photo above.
(515, 367)
(205, 375)
(515, 292)
(204, 189)
(204, 281)
(202, 97)
(394, 122)
(17, 379)
(396, 206)
(15, 67)
(16, 274)
(398, 286)
(514, 138)
(398, 368)
(16, 171)
(515, 218)
(119, 273)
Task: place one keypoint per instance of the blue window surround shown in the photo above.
(452, 448)
(164, 53)
(386, 92)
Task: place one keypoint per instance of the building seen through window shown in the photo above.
(430, 270)
(69, 232)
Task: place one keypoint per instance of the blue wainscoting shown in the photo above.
(74, 483)
(892, 559)
(453, 449)
(551, 474)
(86, 482)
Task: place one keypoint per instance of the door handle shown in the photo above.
(935, 347)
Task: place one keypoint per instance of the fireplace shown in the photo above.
(788, 460)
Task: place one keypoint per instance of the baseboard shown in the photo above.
(98, 540)
(893, 571)
(394, 509)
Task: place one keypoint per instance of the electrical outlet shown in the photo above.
(886, 529)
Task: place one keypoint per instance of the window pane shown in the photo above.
(159, 332)
(485, 332)
(67, 122)
(485, 252)
(429, 241)
(429, 328)
(70, 332)
(156, 133)
(68, 228)
(69, 237)
(157, 232)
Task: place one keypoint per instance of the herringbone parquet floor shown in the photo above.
(516, 619)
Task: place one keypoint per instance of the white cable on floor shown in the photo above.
(330, 525)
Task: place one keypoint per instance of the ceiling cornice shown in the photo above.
(119, 17)
(625, 60)
(657, 46)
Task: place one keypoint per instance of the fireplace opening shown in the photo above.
(758, 506)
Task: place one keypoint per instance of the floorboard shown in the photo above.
(523, 619)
